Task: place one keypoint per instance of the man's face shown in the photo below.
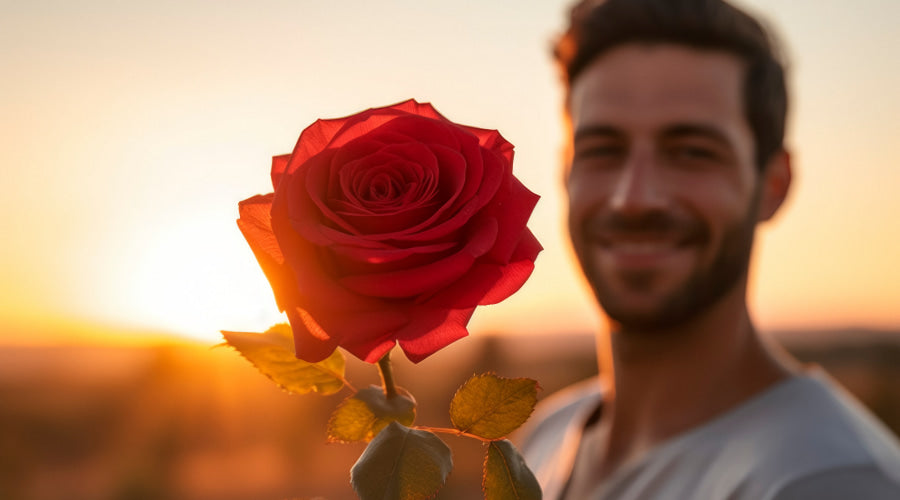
(662, 188)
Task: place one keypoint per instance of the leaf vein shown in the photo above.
(509, 475)
(396, 463)
(495, 408)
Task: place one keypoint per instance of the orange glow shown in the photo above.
(58, 331)
(129, 137)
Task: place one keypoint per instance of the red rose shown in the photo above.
(390, 226)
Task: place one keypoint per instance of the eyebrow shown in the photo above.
(596, 131)
(670, 132)
(674, 131)
(694, 129)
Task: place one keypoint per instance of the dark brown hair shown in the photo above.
(599, 25)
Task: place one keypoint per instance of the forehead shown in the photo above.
(642, 86)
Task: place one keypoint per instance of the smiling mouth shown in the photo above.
(642, 251)
(642, 247)
(643, 241)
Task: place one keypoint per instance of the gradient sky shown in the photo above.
(129, 131)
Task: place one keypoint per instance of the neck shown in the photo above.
(666, 382)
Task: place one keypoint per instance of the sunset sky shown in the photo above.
(130, 130)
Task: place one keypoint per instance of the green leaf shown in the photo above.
(272, 353)
(492, 407)
(401, 464)
(363, 415)
(506, 477)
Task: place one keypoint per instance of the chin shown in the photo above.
(647, 319)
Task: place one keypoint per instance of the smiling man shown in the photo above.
(677, 111)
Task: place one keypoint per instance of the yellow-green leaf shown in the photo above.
(351, 421)
(401, 464)
(363, 415)
(272, 353)
(506, 477)
(492, 407)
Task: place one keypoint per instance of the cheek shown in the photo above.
(585, 196)
(586, 188)
(723, 207)
(577, 201)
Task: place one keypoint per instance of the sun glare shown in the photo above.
(197, 277)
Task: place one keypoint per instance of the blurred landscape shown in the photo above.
(186, 421)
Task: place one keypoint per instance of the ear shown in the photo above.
(776, 183)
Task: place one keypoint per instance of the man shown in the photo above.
(677, 112)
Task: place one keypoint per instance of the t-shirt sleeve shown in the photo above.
(862, 482)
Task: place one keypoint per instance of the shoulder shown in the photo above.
(807, 434)
(868, 482)
(561, 407)
(559, 414)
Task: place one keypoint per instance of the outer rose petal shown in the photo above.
(370, 350)
(418, 347)
(279, 165)
(255, 223)
(512, 206)
(493, 141)
(490, 283)
(517, 272)
(314, 348)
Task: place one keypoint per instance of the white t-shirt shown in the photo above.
(803, 438)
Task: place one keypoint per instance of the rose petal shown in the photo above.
(479, 195)
(412, 170)
(324, 133)
(368, 349)
(363, 124)
(413, 173)
(279, 166)
(255, 223)
(356, 260)
(441, 221)
(301, 192)
(418, 345)
(457, 139)
(517, 272)
(512, 206)
(308, 346)
(493, 141)
(424, 130)
(310, 266)
(428, 278)
(488, 282)
(313, 140)
(385, 224)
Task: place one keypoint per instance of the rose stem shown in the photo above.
(387, 376)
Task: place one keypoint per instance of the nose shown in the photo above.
(638, 187)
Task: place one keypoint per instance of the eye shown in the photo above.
(695, 154)
(598, 151)
(599, 154)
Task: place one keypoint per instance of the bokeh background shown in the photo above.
(129, 131)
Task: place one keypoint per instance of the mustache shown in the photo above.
(649, 223)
